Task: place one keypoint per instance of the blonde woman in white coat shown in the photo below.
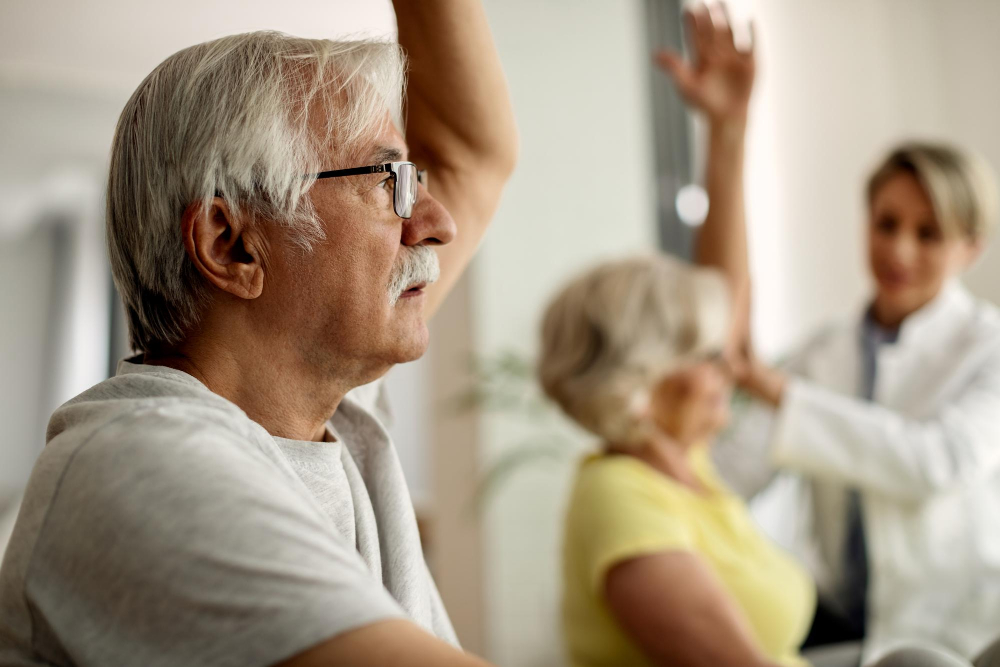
(891, 422)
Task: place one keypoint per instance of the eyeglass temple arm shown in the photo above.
(377, 169)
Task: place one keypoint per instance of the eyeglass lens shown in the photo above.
(406, 190)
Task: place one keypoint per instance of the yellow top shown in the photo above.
(622, 508)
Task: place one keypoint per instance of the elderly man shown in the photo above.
(276, 246)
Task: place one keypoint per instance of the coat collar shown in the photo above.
(935, 320)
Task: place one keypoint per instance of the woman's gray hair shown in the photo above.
(611, 334)
(231, 118)
(960, 184)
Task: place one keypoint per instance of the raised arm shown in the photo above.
(718, 83)
(460, 124)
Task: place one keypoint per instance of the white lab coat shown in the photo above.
(925, 455)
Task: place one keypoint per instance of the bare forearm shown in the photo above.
(722, 240)
(458, 108)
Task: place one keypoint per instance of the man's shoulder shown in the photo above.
(136, 466)
(140, 397)
(108, 436)
(116, 463)
(159, 436)
(150, 509)
(144, 408)
(157, 427)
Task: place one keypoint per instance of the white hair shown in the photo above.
(614, 332)
(230, 118)
(416, 264)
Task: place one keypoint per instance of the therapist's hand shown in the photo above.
(760, 380)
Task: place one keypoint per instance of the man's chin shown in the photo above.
(412, 345)
(412, 355)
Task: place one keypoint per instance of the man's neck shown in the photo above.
(286, 396)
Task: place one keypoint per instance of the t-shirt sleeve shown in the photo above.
(191, 550)
(621, 512)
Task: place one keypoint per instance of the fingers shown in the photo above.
(710, 27)
(722, 23)
(679, 71)
(670, 62)
(700, 30)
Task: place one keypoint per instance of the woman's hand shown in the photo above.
(720, 79)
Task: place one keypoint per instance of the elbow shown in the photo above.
(491, 157)
(496, 145)
(500, 156)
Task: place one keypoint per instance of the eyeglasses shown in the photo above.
(405, 177)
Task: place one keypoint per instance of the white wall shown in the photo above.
(113, 44)
(582, 191)
(51, 139)
(22, 328)
(839, 83)
(970, 52)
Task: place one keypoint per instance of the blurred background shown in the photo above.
(609, 165)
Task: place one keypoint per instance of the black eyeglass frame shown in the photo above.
(399, 205)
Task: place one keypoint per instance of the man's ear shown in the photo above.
(223, 249)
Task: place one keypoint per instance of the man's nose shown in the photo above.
(430, 224)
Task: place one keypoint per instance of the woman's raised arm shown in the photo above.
(718, 83)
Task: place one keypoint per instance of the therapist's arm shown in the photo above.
(459, 121)
(398, 643)
(678, 613)
(860, 443)
(718, 83)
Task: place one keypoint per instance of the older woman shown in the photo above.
(663, 565)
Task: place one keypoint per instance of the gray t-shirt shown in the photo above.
(162, 527)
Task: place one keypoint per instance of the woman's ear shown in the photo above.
(223, 248)
(976, 248)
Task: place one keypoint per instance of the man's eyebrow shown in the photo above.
(385, 154)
